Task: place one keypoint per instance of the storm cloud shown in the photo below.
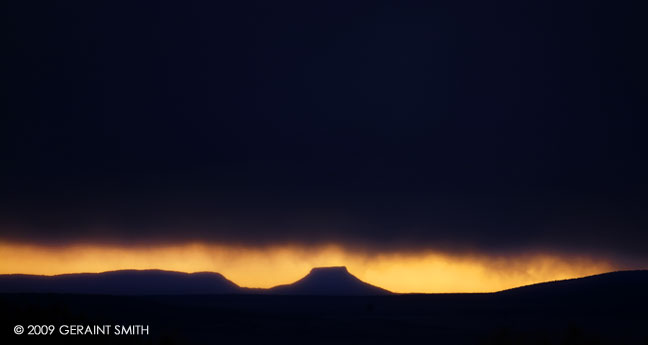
(484, 126)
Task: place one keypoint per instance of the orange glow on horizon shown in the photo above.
(426, 272)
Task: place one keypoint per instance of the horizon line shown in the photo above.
(350, 273)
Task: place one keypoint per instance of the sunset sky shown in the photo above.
(274, 265)
(429, 147)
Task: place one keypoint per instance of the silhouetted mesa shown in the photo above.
(334, 281)
(125, 282)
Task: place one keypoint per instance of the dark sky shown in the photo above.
(488, 125)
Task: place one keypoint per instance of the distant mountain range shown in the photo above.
(320, 281)
(333, 281)
(124, 282)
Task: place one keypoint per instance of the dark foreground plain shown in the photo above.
(604, 309)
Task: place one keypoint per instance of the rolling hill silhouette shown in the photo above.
(332, 281)
(607, 287)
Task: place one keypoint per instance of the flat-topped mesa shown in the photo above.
(329, 281)
(330, 275)
(330, 270)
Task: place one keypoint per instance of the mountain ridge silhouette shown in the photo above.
(319, 281)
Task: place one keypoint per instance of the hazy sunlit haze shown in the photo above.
(269, 266)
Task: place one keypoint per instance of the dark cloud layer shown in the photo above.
(495, 126)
